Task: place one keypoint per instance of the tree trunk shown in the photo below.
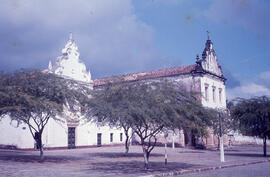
(264, 146)
(40, 147)
(127, 149)
(41, 154)
(146, 158)
(127, 143)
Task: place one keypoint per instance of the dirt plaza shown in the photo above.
(111, 161)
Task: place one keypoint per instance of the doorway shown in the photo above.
(99, 135)
(71, 137)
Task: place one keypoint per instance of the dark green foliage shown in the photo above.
(148, 109)
(252, 117)
(33, 97)
(225, 118)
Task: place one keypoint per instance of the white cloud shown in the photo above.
(258, 86)
(247, 90)
(264, 78)
(265, 75)
(111, 39)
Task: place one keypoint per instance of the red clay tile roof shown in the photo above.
(145, 75)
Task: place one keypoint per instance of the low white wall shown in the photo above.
(11, 134)
(55, 134)
(240, 139)
(86, 134)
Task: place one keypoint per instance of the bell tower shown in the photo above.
(209, 62)
(69, 64)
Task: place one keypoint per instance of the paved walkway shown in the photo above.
(254, 170)
(111, 161)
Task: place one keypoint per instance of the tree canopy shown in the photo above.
(148, 109)
(33, 97)
(252, 117)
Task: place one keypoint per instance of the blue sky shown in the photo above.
(124, 36)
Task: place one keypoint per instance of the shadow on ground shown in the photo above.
(120, 155)
(31, 158)
(231, 150)
(245, 155)
(193, 152)
(135, 167)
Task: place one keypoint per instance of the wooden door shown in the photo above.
(71, 137)
(99, 135)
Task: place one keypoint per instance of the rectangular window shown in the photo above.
(111, 137)
(214, 93)
(220, 95)
(121, 136)
(206, 92)
(99, 139)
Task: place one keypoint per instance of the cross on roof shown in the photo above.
(208, 34)
(70, 36)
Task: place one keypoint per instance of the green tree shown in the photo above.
(252, 117)
(148, 109)
(109, 106)
(33, 97)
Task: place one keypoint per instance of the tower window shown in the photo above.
(111, 137)
(220, 95)
(206, 92)
(214, 93)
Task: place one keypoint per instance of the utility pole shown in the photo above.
(166, 155)
(173, 140)
(221, 146)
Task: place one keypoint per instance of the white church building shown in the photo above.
(205, 76)
(74, 132)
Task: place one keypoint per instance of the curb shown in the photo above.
(196, 170)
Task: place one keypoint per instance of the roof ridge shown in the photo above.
(180, 70)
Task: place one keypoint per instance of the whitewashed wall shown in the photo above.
(56, 134)
(87, 135)
(19, 136)
(211, 81)
(241, 139)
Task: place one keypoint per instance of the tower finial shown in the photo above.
(208, 34)
(70, 35)
(50, 66)
(197, 57)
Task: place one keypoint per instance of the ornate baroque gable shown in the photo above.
(209, 59)
(209, 62)
(69, 65)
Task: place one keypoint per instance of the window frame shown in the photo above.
(121, 137)
(206, 92)
(214, 94)
(111, 137)
(220, 95)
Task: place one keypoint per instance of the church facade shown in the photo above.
(205, 76)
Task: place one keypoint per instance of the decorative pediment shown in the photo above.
(209, 62)
(72, 117)
(69, 65)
